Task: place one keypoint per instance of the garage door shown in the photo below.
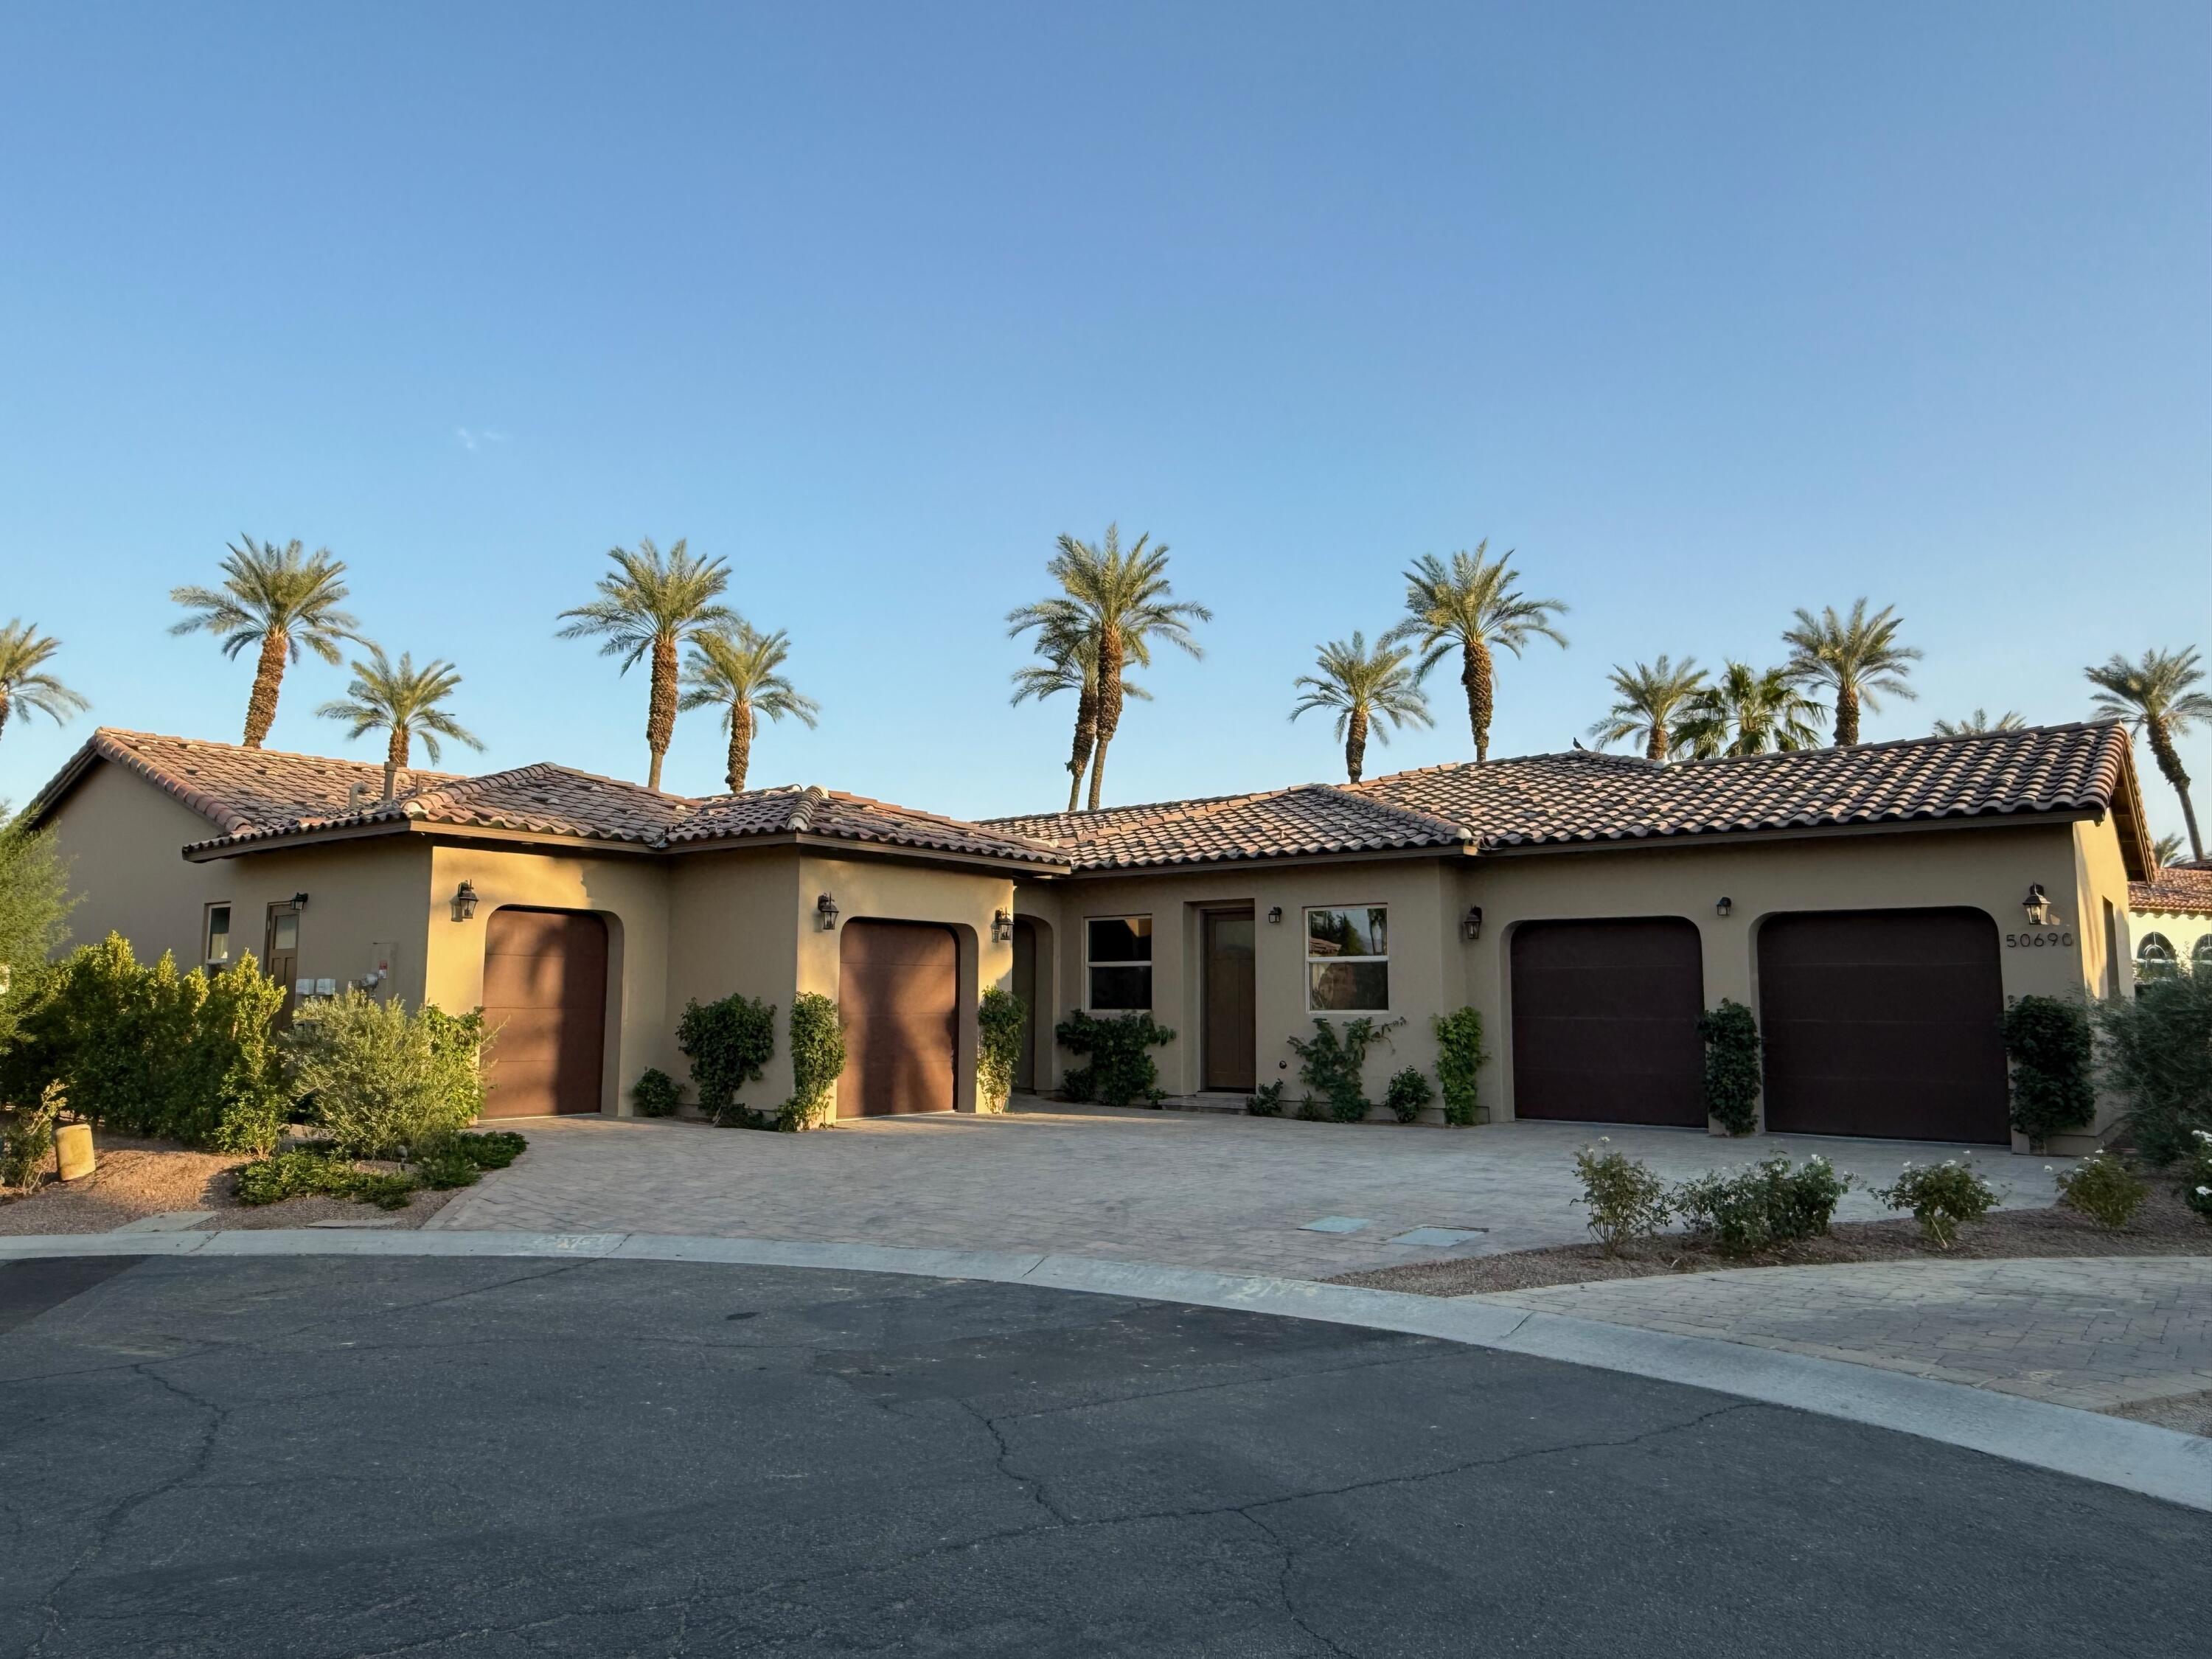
(897, 986)
(1605, 1022)
(1884, 1023)
(545, 992)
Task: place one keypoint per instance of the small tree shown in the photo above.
(1460, 1056)
(34, 907)
(2048, 1042)
(817, 1058)
(1732, 1067)
(998, 1048)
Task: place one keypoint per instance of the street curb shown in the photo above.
(2112, 1451)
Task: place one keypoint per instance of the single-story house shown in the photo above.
(1874, 905)
(2173, 920)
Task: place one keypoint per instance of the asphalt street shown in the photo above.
(310, 1456)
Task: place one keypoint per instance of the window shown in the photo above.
(1119, 954)
(1348, 960)
(215, 943)
(283, 929)
(2154, 957)
(2200, 955)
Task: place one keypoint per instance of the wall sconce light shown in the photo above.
(825, 911)
(465, 901)
(299, 901)
(1471, 924)
(1002, 926)
(1275, 915)
(1722, 905)
(2037, 906)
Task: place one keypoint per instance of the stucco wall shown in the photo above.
(124, 840)
(733, 930)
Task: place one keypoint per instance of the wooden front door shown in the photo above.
(545, 998)
(898, 989)
(280, 958)
(1231, 1002)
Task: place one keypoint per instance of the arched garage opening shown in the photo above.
(898, 988)
(546, 995)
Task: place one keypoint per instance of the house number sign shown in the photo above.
(2038, 941)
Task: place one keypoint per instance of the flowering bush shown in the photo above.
(1625, 1200)
(2197, 1174)
(1941, 1196)
(1762, 1205)
(2103, 1187)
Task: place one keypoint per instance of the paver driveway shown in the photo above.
(1234, 1194)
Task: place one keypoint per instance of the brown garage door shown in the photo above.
(545, 992)
(1605, 1022)
(1884, 1023)
(898, 984)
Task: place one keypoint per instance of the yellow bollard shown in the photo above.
(73, 1146)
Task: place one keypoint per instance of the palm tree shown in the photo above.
(2165, 850)
(403, 701)
(1071, 663)
(739, 672)
(1979, 722)
(649, 606)
(2155, 698)
(23, 679)
(1858, 657)
(1472, 602)
(280, 597)
(1370, 690)
(1648, 701)
(1122, 599)
(1748, 711)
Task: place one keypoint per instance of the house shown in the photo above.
(1876, 906)
(2173, 920)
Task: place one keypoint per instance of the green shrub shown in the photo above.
(1333, 1060)
(1625, 1200)
(2197, 1174)
(2103, 1187)
(1762, 1205)
(817, 1058)
(29, 1140)
(2048, 1042)
(493, 1149)
(303, 1174)
(1266, 1101)
(1460, 1057)
(34, 907)
(382, 1082)
(147, 1050)
(1732, 1068)
(729, 1044)
(446, 1166)
(998, 1048)
(1408, 1092)
(2157, 1054)
(1311, 1110)
(656, 1094)
(1120, 1068)
(1941, 1196)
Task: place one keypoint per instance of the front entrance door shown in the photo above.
(1230, 1002)
(281, 960)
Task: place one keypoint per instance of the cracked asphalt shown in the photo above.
(310, 1456)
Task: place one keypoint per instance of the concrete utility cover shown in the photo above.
(1438, 1238)
(169, 1221)
(1336, 1224)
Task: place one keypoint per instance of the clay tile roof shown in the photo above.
(832, 813)
(1311, 818)
(2178, 889)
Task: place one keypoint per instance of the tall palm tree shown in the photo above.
(1123, 599)
(1979, 722)
(1368, 690)
(2165, 850)
(403, 701)
(1648, 699)
(1472, 602)
(24, 653)
(1748, 711)
(281, 599)
(1070, 654)
(1858, 657)
(648, 605)
(740, 672)
(2154, 697)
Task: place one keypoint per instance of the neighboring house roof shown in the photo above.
(2176, 889)
(1588, 797)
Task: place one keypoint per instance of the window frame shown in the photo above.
(1308, 959)
(1147, 964)
(207, 959)
(2169, 963)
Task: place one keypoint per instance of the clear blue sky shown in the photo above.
(1708, 310)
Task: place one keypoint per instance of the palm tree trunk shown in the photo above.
(3, 709)
(741, 745)
(1475, 676)
(660, 712)
(1355, 743)
(1847, 714)
(1086, 739)
(1109, 706)
(1654, 746)
(2169, 761)
(268, 679)
(395, 758)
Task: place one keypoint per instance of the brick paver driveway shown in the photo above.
(1232, 1194)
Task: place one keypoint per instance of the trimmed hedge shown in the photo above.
(998, 1047)
(2048, 1042)
(1733, 1077)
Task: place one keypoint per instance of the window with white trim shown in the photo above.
(2155, 958)
(215, 936)
(1118, 964)
(1348, 960)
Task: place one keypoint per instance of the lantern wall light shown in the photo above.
(465, 901)
(1002, 926)
(1471, 924)
(1722, 905)
(825, 911)
(2037, 906)
(1274, 914)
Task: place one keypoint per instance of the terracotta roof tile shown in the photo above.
(2178, 889)
(816, 811)
(1311, 818)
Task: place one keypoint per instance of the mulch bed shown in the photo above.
(2163, 1226)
